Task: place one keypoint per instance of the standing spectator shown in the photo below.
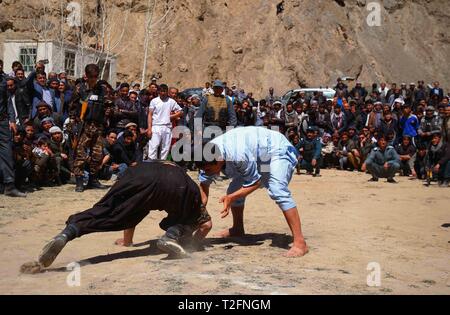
(411, 95)
(436, 90)
(19, 98)
(8, 128)
(159, 123)
(339, 100)
(291, 118)
(38, 89)
(126, 111)
(382, 162)
(323, 120)
(90, 143)
(217, 110)
(338, 121)
(421, 92)
(207, 90)
(359, 92)
(383, 91)
(244, 114)
(429, 125)
(375, 117)
(409, 123)
(389, 125)
(277, 117)
(271, 98)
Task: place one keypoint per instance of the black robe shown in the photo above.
(156, 185)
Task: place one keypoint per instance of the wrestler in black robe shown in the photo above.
(149, 186)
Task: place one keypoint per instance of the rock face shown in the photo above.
(311, 42)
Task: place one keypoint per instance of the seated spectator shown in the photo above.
(347, 153)
(407, 152)
(439, 160)
(108, 167)
(60, 159)
(44, 111)
(22, 158)
(382, 162)
(420, 163)
(329, 158)
(364, 145)
(310, 149)
(124, 152)
(41, 156)
(46, 124)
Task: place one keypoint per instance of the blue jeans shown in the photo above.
(276, 181)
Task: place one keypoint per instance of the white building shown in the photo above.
(65, 57)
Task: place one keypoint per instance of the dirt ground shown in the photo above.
(347, 221)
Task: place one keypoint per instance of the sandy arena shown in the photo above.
(348, 223)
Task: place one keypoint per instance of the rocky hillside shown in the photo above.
(256, 45)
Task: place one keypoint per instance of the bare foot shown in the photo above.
(121, 242)
(230, 233)
(297, 251)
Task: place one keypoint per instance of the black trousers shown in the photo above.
(6, 154)
(149, 186)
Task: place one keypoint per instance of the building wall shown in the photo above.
(11, 53)
(53, 52)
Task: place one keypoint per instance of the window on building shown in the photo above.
(69, 63)
(27, 58)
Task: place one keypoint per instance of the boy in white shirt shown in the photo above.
(162, 111)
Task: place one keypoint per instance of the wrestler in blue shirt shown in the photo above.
(253, 157)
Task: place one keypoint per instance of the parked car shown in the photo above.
(191, 91)
(309, 93)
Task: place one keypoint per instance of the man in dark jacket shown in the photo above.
(124, 152)
(310, 152)
(20, 100)
(382, 162)
(407, 152)
(323, 120)
(439, 158)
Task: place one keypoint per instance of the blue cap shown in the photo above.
(218, 83)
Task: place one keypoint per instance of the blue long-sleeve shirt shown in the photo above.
(409, 125)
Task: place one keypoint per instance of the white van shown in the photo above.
(309, 93)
